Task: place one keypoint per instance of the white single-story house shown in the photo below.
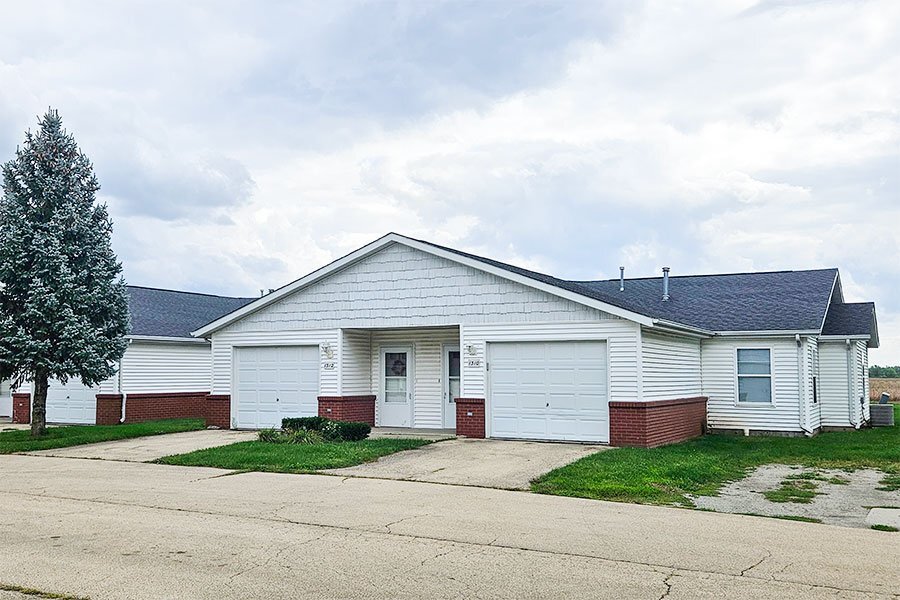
(164, 373)
(406, 333)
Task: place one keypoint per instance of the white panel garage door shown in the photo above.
(275, 382)
(549, 391)
(71, 402)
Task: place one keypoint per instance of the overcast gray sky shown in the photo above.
(243, 144)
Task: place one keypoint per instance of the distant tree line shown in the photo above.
(886, 372)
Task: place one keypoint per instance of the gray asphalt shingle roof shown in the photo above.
(852, 318)
(767, 301)
(169, 313)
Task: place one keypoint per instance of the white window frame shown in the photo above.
(738, 375)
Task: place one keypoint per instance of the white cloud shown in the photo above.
(724, 137)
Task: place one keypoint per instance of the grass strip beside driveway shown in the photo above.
(292, 458)
(77, 435)
(701, 467)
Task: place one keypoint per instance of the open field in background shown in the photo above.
(880, 384)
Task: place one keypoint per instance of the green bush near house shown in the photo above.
(333, 431)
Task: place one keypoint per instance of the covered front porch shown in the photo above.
(397, 377)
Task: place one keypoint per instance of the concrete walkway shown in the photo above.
(146, 449)
(126, 530)
(482, 463)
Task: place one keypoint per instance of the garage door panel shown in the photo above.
(275, 382)
(549, 390)
(71, 402)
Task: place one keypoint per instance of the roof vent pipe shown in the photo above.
(665, 284)
(621, 279)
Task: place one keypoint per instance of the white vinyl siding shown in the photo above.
(224, 342)
(719, 369)
(670, 367)
(622, 337)
(149, 367)
(813, 409)
(861, 380)
(834, 389)
(356, 372)
(428, 371)
(400, 286)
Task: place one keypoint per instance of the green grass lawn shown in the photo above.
(292, 458)
(76, 435)
(700, 467)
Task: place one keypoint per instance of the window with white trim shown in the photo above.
(754, 375)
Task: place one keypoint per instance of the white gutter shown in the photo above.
(166, 339)
(768, 333)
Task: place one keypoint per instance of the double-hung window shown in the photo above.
(754, 375)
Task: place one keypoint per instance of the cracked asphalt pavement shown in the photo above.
(102, 529)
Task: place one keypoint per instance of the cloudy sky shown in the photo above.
(243, 144)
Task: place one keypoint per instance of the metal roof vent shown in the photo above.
(665, 284)
(621, 279)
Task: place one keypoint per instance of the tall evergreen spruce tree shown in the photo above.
(63, 309)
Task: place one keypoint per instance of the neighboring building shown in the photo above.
(165, 371)
(405, 333)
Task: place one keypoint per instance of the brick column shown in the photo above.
(470, 417)
(656, 423)
(217, 411)
(21, 412)
(348, 408)
(109, 409)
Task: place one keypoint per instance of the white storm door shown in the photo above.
(71, 402)
(549, 391)
(396, 398)
(451, 385)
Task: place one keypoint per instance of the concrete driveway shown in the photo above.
(126, 530)
(146, 449)
(482, 463)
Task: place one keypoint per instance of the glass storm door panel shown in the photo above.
(451, 385)
(396, 387)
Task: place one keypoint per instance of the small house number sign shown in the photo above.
(473, 362)
(328, 366)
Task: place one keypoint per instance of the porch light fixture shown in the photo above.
(471, 350)
(327, 350)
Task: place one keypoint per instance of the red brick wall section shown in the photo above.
(217, 411)
(656, 423)
(173, 405)
(348, 408)
(21, 408)
(470, 417)
(109, 409)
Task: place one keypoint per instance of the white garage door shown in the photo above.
(549, 391)
(275, 382)
(71, 402)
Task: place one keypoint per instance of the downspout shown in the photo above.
(801, 388)
(851, 405)
(119, 383)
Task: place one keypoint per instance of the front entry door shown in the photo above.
(451, 385)
(396, 401)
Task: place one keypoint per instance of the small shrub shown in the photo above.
(331, 430)
(353, 431)
(884, 528)
(308, 423)
(300, 436)
(303, 436)
(269, 435)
